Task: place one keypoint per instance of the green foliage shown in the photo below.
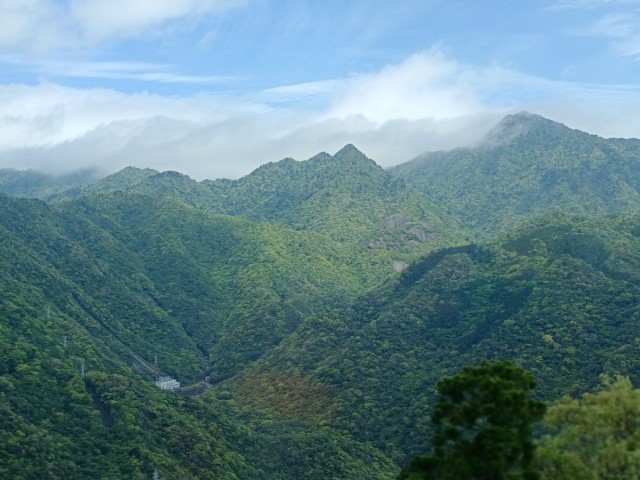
(483, 426)
(564, 314)
(594, 437)
(529, 165)
(97, 281)
(346, 196)
(34, 184)
(281, 288)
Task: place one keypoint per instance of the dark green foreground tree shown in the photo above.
(483, 422)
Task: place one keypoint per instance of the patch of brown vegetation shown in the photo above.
(290, 396)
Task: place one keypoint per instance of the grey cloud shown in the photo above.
(233, 148)
(210, 136)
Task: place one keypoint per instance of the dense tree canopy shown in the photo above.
(595, 437)
(483, 425)
(283, 289)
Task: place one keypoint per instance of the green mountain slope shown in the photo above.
(48, 187)
(154, 275)
(57, 188)
(557, 296)
(322, 299)
(234, 286)
(346, 195)
(81, 324)
(526, 165)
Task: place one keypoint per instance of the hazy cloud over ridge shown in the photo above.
(217, 87)
(426, 102)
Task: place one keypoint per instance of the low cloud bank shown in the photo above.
(428, 102)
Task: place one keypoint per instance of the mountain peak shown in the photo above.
(170, 174)
(519, 124)
(129, 173)
(348, 149)
(349, 154)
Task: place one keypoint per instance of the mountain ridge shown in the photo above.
(310, 307)
(529, 165)
(552, 296)
(515, 125)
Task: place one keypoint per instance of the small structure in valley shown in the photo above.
(167, 383)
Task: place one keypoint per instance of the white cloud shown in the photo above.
(308, 90)
(426, 85)
(48, 114)
(32, 25)
(40, 26)
(589, 4)
(623, 30)
(235, 146)
(427, 102)
(146, 72)
(616, 21)
(100, 19)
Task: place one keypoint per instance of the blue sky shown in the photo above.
(215, 88)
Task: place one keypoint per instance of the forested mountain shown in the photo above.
(346, 196)
(34, 184)
(528, 164)
(558, 296)
(91, 315)
(143, 274)
(309, 308)
(56, 188)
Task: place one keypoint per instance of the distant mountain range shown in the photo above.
(525, 165)
(309, 308)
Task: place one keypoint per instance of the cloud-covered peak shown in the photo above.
(522, 123)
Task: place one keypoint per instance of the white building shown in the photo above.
(167, 383)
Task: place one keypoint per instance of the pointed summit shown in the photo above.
(349, 149)
(350, 155)
(520, 124)
(124, 179)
